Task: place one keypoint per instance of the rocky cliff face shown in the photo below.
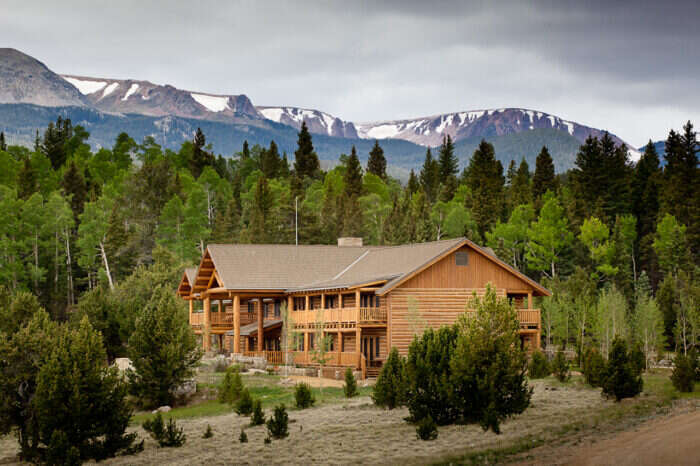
(25, 80)
(318, 122)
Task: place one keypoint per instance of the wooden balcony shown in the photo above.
(529, 318)
(339, 317)
(197, 319)
(219, 320)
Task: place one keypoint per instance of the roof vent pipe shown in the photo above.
(349, 242)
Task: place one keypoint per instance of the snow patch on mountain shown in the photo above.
(213, 103)
(109, 89)
(85, 86)
(133, 88)
(318, 122)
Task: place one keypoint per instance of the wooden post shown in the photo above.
(529, 300)
(306, 305)
(260, 325)
(206, 334)
(340, 300)
(290, 303)
(340, 341)
(358, 345)
(357, 305)
(236, 324)
(306, 345)
(323, 300)
(191, 310)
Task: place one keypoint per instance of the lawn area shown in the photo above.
(261, 386)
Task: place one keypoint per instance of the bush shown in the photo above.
(162, 348)
(426, 429)
(277, 425)
(77, 395)
(694, 356)
(208, 433)
(60, 452)
(231, 386)
(638, 359)
(488, 382)
(561, 367)
(244, 405)
(390, 389)
(303, 396)
(350, 387)
(243, 438)
(683, 375)
(428, 375)
(170, 436)
(258, 417)
(621, 379)
(539, 366)
(593, 368)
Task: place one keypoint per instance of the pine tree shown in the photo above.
(377, 162)
(449, 164)
(3, 145)
(544, 179)
(353, 175)
(200, 157)
(260, 217)
(486, 181)
(413, 184)
(430, 176)
(26, 180)
(645, 190)
(520, 191)
(270, 161)
(306, 161)
(74, 185)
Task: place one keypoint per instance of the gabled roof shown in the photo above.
(290, 268)
(187, 281)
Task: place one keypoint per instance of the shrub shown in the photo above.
(208, 433)
(488, 381)
(267, 440)
(244, 405)
(60, 452)
(428, 375)
(277, 425)
(231, 386)
(243, 438)
(303, 396)
(593, 368)
(694, 356)
(621, 379)
(166, 436)
(683, 375)
(350, 387)
(561, 367)
(638, 359)
(426, 429)
(78, 395)
(162, 348)
(258, 417)
(539, 366)
(390, 389)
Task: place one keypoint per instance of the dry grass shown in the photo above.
(358, 432)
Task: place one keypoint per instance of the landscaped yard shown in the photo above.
(341, 431)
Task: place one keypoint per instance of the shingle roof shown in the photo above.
(318, 267)
(191, 274)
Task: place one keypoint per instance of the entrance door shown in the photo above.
(370, 348)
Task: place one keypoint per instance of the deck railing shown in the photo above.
(222, 319)
(340, 315)
(526, 317)
(197, 318)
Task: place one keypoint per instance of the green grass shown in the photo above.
(262, 386)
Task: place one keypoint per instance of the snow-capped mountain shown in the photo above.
(146, 98)
(429, 131)
(318, 122)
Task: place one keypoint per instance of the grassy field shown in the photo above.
(350, 431)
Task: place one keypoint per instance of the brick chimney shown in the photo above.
(349, 242)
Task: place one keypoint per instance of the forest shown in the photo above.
(616, 241)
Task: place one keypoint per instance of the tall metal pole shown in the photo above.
(296, 221)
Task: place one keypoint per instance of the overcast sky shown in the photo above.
(632, 68)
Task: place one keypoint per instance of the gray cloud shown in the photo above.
(630, 67)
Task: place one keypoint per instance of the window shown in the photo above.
(278, 311)
(251, 307)
(330, 302)
(299, 303)
(376, 343)
(311, 341)
(462, 258)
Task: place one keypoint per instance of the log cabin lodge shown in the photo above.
(368, 299)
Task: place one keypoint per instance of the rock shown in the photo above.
(257, 371)
(162, 409)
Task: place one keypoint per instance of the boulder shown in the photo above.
(162, 409)
(187, 388)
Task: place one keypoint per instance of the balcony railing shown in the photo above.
(197, 319)
(348, 315)
(528, 318)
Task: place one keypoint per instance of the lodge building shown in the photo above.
(368, 299)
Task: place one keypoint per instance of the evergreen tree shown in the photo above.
(162, 348)
(75, 188)
(645, 190)
(430, 176)
(306, 161)
(544, 179)
(3, 145)
(377, 162)
(262, 207)
(520, 191)
(449, 164)
(26, 180)
(270, 163)
(485, 180)
(621, 379)
(80, 397)
(200, 157)
(413, 184)
(390, 390)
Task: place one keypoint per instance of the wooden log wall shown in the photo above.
(415, 309)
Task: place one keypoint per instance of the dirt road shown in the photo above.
(673, 440)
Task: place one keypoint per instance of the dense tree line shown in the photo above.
(76, 219)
